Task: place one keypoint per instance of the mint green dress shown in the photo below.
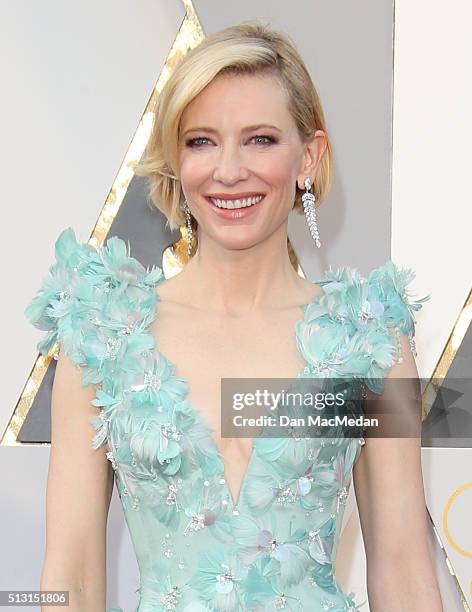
(197, 550)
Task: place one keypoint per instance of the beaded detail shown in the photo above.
(273, 549)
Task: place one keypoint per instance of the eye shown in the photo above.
(195, 142)
(201, 140)
(268, 139)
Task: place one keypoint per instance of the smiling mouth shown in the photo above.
(236, 203)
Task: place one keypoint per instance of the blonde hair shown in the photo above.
(246, 48)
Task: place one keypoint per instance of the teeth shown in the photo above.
(236, 203)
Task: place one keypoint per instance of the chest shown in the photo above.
(206, 347)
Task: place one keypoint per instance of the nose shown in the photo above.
(229, 167)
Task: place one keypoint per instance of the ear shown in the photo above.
(313, 153)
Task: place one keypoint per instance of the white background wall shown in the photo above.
(432, 135)
(75, 79)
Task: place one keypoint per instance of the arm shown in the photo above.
(79, 488)
(389, 490)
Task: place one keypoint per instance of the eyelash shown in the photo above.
(192, 142)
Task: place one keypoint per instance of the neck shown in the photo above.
(236, 281)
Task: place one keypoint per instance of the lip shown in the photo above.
(235, 213)
(235, 196)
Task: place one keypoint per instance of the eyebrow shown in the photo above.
(248, 128)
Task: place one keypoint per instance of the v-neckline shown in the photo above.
(200, 417)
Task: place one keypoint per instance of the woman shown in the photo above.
(227, 523)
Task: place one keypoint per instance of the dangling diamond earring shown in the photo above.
(188, 216)
(308, 199)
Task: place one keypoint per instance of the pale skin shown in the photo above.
(231, 313)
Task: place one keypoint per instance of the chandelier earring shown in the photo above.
(188, 217)
(308, 199)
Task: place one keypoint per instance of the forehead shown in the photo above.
(234, 99)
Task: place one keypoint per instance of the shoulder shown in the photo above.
(356, 326)
(381, 295)
(85, 291)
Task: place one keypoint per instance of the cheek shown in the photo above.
(193, 171)
(277, 166)
(278, 172)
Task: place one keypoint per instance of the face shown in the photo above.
(240, 180)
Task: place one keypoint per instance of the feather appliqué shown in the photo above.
(356, 321)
